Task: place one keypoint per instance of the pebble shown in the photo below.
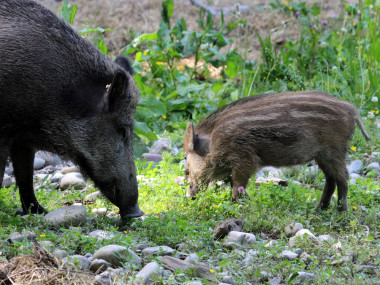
(250, 255)
(292, 229)
(17, 237)
(73, 179)
(56, 177)
(99, 211)
(303, 276)
(67, 216)
(7, 181)
(228, 280)
(306, 257)
(93, 196)
(288, 255)
(160, 146)
(271, 243)
(82, 261)
(99, 265)
(70, 169)
(151, 157)
(241, 238)
(149, 271)
(158, 250)
(323, 238)
(60, 253)
(38, 163)
(104, 278)
(302, 233)
(109, 253)
(50, 158)
(355, 166)
(102, 235)
(373, 165)
(192, 258)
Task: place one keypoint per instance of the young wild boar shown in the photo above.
(275, 129)
(58, 93)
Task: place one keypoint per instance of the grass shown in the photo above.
(339, 57)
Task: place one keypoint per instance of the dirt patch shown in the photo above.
(124, 16)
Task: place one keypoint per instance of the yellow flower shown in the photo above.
(306, 84)
(337, 33)
(290, 8)
(159, 63)
(354, 207)
(353, 148)
(180, 67)
(377, 112)
(116, 211)
(286, 3)
(354, 24)
(164, 117)
(145, 53)
(125, 232)
(216, 206)
(212, 270)
(42, 235)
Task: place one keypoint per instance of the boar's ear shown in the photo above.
(191, 137)
(124, 63)
(116, 93)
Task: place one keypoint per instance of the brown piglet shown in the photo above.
(273, 129)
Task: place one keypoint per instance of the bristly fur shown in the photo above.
(279, 130)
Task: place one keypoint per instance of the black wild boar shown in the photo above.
(58, 93)
(276, 129)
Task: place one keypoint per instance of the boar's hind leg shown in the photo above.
(336, 174)
(23, 160)
(240, 177)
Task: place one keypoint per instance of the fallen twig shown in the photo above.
(226, 10)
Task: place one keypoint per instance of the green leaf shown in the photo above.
(180, 104)
(232, 69)
(167, 11)
(225, 262)
(153, 104)
(68, 12)
(142, 129)
(185, 90)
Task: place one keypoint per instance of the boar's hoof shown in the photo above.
(133, 212)
(35, 209)
(342, 206)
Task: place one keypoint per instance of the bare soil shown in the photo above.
(144, 16)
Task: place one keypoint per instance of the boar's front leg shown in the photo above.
(23, 160)
(240, 177)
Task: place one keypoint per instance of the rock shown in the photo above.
(99, 211)
(288, 255)
(149, 271)
(192, 258)
(373, 165)
(306, 257)
(303, 276)
(47, 244)
(301, 233)
(160, 146)
(17, 237)
(292, 229)
(140, 247)
(232, 245)
(228, 280)
(67, 216)
(298, 251)
(244, 239)
(355, 176)
(104, 278)
(250, 255)
(193, 283)
(102, 235)
(50, 158)
(93, 196)
(271, 243)
(9, 170)
(150, 157)
(73, 179)
(309, 174)
(56, 177)
(355, 166)
(222, 229)
(38, 163)
(82, 261)
(7, 181)
(112, 252)
(323, 238)
(70, 169)
(99, 265)
(158, 250)
(60, 253)
(369, 269)
(276, 281)
(175, 264)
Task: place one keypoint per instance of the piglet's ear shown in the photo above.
(116, 92)
(190, 137)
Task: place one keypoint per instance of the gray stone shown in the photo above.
(192, 258)
(38, 163)
(249, 256)
(193, 283)
(147, 274)
(73, 179)
(151, 157)
(355, 166)
(244, 239)
(102, 235)
(271, 243)
(303, 276)
(223, 228)
(67, 216)
(161, 146)
(47, 244)
(56, 177)
(232, 245)
(50, 158)
(158, 250)
(70, 169)
(82, 261)
(8, 170)
(306, 257)
(17, 237)
(323, 238)
(373, 165)
(292, 229)
(93, 196)
(288, 255)
(355, 176)
(310, 174)
(116, 255)
(99, 265)
(104, 278)
(60, 253)
(302, 233)
(99, 211)
(228, 280)
(7, 181)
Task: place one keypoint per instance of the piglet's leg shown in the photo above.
(240, 179)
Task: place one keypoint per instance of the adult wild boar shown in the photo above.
(275, 129)
(58, 93)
